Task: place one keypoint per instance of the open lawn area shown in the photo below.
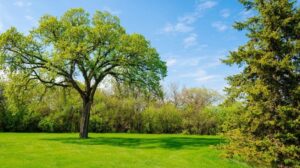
(41, 150)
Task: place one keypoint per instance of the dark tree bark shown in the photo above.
(85, 117)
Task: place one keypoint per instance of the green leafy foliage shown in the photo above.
(34, 107)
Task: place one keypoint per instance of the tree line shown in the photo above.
(120, 109)
(58, 109)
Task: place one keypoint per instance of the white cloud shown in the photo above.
(171, 62)
(184, 23)
(179, 27)
(200, 76)
(188, 19)
(206, 5)
(225, 13)
(190, 41)
(21, 3)
(183, 60)
(205, 78)
(220, 26)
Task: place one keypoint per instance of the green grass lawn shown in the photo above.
(41, 150)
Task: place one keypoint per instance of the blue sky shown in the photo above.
(190, 35)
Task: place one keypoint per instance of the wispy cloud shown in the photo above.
(205, 78)
(171, 62)
(182, 61)
(178, 27)
(225, 13)
(21, 3)
(190, 40)
(184, 23)
(220, 26)
(199, 76)
(206, 5)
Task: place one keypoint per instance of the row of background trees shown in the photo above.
(118, 109)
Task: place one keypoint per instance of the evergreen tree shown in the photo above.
(268, 85)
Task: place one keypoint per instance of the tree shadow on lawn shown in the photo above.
(172, 143)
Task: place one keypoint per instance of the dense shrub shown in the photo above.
(162, 119)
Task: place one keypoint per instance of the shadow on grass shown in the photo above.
(145, 143)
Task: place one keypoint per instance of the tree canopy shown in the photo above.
(79, 51)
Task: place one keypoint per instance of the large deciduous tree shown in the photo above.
(269, 85)
(79, 51)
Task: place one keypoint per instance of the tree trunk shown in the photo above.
(85, 117)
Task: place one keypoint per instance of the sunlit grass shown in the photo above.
(29, 150)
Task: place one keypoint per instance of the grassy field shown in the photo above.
(28, 150)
